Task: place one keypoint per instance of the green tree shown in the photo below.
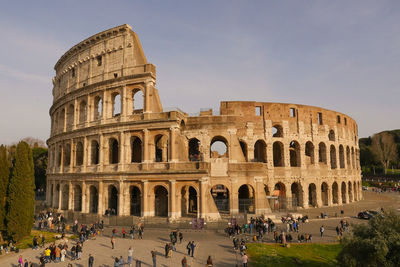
(21, 194)
(40, 162)
(4, 177)
(374, 244)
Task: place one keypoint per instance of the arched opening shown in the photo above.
(243, 147)
(297, 195)
(277, 131)
(309, 152)
(341, 157)
(161, 148)
(112, 200)
(161, 201)
(343, 189)
(279, 158)
(136, 201)
(70, 117)
(95, 152)
(353, 160)
(322, 153)
(260, 151)
(114, 151)
(51, 195)
(333, 157)
(220, 194)
(348, 157)
(138, 100)
(93, 199)
(116, 104)
(77, 198)
(331, 135)
(61, 121)
(350, 192)
(294, 150)
(246, 199)
(188, 201)
(335, 193)
(67, 155)
(79, 154)
(219, 147)
(98, 108)
(82, 112)
(312, 195)
(65, 197)
(59, 156)
(280, 194)
(324, 194)
(194, 152)
(136, 149)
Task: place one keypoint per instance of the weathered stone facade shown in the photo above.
(113, 147)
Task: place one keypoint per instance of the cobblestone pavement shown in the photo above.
(214, 243)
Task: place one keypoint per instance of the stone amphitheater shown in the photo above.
(114, 150)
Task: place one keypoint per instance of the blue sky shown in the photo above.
(340, 55)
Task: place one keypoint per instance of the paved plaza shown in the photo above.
(209, 242)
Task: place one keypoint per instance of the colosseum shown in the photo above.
(114, 150)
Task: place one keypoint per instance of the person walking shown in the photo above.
(130, 255)
(209, 262)
(154, 257)
(244, 260)
(322, 230)
(112, 242)
(91, 260)
(184, 262)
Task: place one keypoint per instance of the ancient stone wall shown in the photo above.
(113, 149)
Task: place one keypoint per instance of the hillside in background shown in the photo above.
(369, 161)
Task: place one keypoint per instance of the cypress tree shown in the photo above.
(4, 177)
(21, 194)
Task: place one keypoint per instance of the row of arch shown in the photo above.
(279, 198)
(218, 148)
(70, 115)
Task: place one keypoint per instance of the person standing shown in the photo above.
(244, 260)
(130, 255)
(192, 247)
(180, 237)
(209, 262)
(189, 247)
(112, 242)
(322, 230)
(154, 257)
(91, 260)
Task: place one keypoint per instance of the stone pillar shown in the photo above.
(203, 197)
(70, 196)
(59, 196)
(339, 194)
(145, 199)
(74, 122)
(121, 199)
(319, 195)
(148, 89)
(305, 195)
(84, 202)
(54, 194)
(62, 159)
(104, 107)
(101, 200)
(146, 157)
(121, 163)
(124, 103)
(172, 211)
(172, 144)
(330, 195)
(85, 154)
(88, 111)
(234, 199)
(101, 152)
(72, 156)
(260, 199)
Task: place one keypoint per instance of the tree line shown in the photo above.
(380, 152)
(17, 190)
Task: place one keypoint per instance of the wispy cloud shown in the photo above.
(20, 75)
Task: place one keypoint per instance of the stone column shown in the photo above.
(319, 195)
(104, 107)
(101, 152)
(172, 211)
(101, 200)
(62, 159)
(88, 111)
(305, 196)
(203, 197)
(260, 200)
(72, 157)
(54, 194)
(85, 154)
(149, 87)
(71, 196)
(172, 144)
(74, 122)
(124, 102)
(121, 163)
(234, 199)
(339, 194)
(146, 157)
(121, 199)
(330, 195)
(145, 199)
(84, 202)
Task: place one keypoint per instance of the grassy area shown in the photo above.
(263, 255)
(27, 241)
